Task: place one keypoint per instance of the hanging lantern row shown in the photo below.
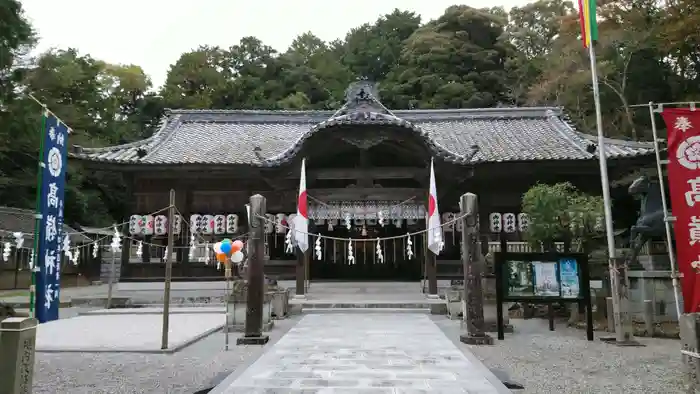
(508, 222)
(153, 225)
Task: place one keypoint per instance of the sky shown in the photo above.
(154, 33)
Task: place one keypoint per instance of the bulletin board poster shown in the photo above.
(546, 279)
(570, 279)
(542, 278)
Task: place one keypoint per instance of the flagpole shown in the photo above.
(621, 334)
(37, 212)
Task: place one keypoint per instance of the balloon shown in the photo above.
(220, 257)
(226, 241)
(238, 243)
(234, 248)
(237, 257)
(225, 248)
(217, 247)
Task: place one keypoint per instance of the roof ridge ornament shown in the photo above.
(362, 96)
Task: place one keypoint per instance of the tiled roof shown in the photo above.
(22, 220)
(269, 138)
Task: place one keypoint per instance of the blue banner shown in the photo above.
(53, 182)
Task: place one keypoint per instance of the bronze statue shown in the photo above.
(650, 223)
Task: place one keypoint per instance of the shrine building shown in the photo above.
(361, 160)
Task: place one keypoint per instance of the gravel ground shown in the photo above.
(191, 369)
(563, 362)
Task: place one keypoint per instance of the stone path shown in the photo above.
(368, 353)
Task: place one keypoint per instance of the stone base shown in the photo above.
(492, 326)
(299, 296)
(432, 296)
(613, 341)
(476, 340)
(261, 340)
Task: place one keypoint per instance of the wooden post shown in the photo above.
(300, 288)
(168, 272)
(16, 255)
(473, 273)
(17, 346)
(256, 279)
(430, 269)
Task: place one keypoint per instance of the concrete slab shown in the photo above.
(136, 333)
(156, 311)
(377, 353)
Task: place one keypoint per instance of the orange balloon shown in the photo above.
(235, 248)
(220, 257)
(238, 243)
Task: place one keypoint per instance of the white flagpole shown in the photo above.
(667, 219)
(621, 336)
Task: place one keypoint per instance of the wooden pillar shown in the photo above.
(430, 266)
(473, 272)
(301, 273)
(256, 278)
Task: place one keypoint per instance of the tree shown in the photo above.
(373, 51)
(456, 61)
(561, 213)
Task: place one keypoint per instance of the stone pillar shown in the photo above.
(256, 278)
(473, 273)
(17, 347)
(690, 343)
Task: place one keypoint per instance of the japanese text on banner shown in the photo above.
(53, 181)
(684, 184)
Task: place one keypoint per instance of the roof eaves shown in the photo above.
(165, 128)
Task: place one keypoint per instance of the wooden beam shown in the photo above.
(358, 173)
(376, 193)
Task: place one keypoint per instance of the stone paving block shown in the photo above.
(351, 353)
(124, 332)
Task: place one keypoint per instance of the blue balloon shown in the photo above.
(225, 248)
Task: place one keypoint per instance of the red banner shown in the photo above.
(684, 183)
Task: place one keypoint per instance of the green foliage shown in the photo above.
(648, 51)
(560, 212)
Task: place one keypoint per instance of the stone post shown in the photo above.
(648, 311)
(610, 314)
(256, 278)
(17, 347)
(473, 272)
(690, 343)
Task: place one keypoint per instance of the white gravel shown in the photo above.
(564, 362)
(191, 369)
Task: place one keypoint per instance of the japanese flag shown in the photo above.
(434, 228)
(301, 221)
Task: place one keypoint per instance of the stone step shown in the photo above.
(362, 304)
(366, 310)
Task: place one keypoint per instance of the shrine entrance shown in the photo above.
(390, 262)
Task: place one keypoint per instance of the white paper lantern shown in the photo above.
(269, 223)
(509, 224)
(135, 224)
(523, 221)
(208, 224)
(231, 223)
(194, 223)
(495, 222)
(148, 225)
(448, 224)
(280, 223)
(177, 224)
(160, 226)
(219, 224)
